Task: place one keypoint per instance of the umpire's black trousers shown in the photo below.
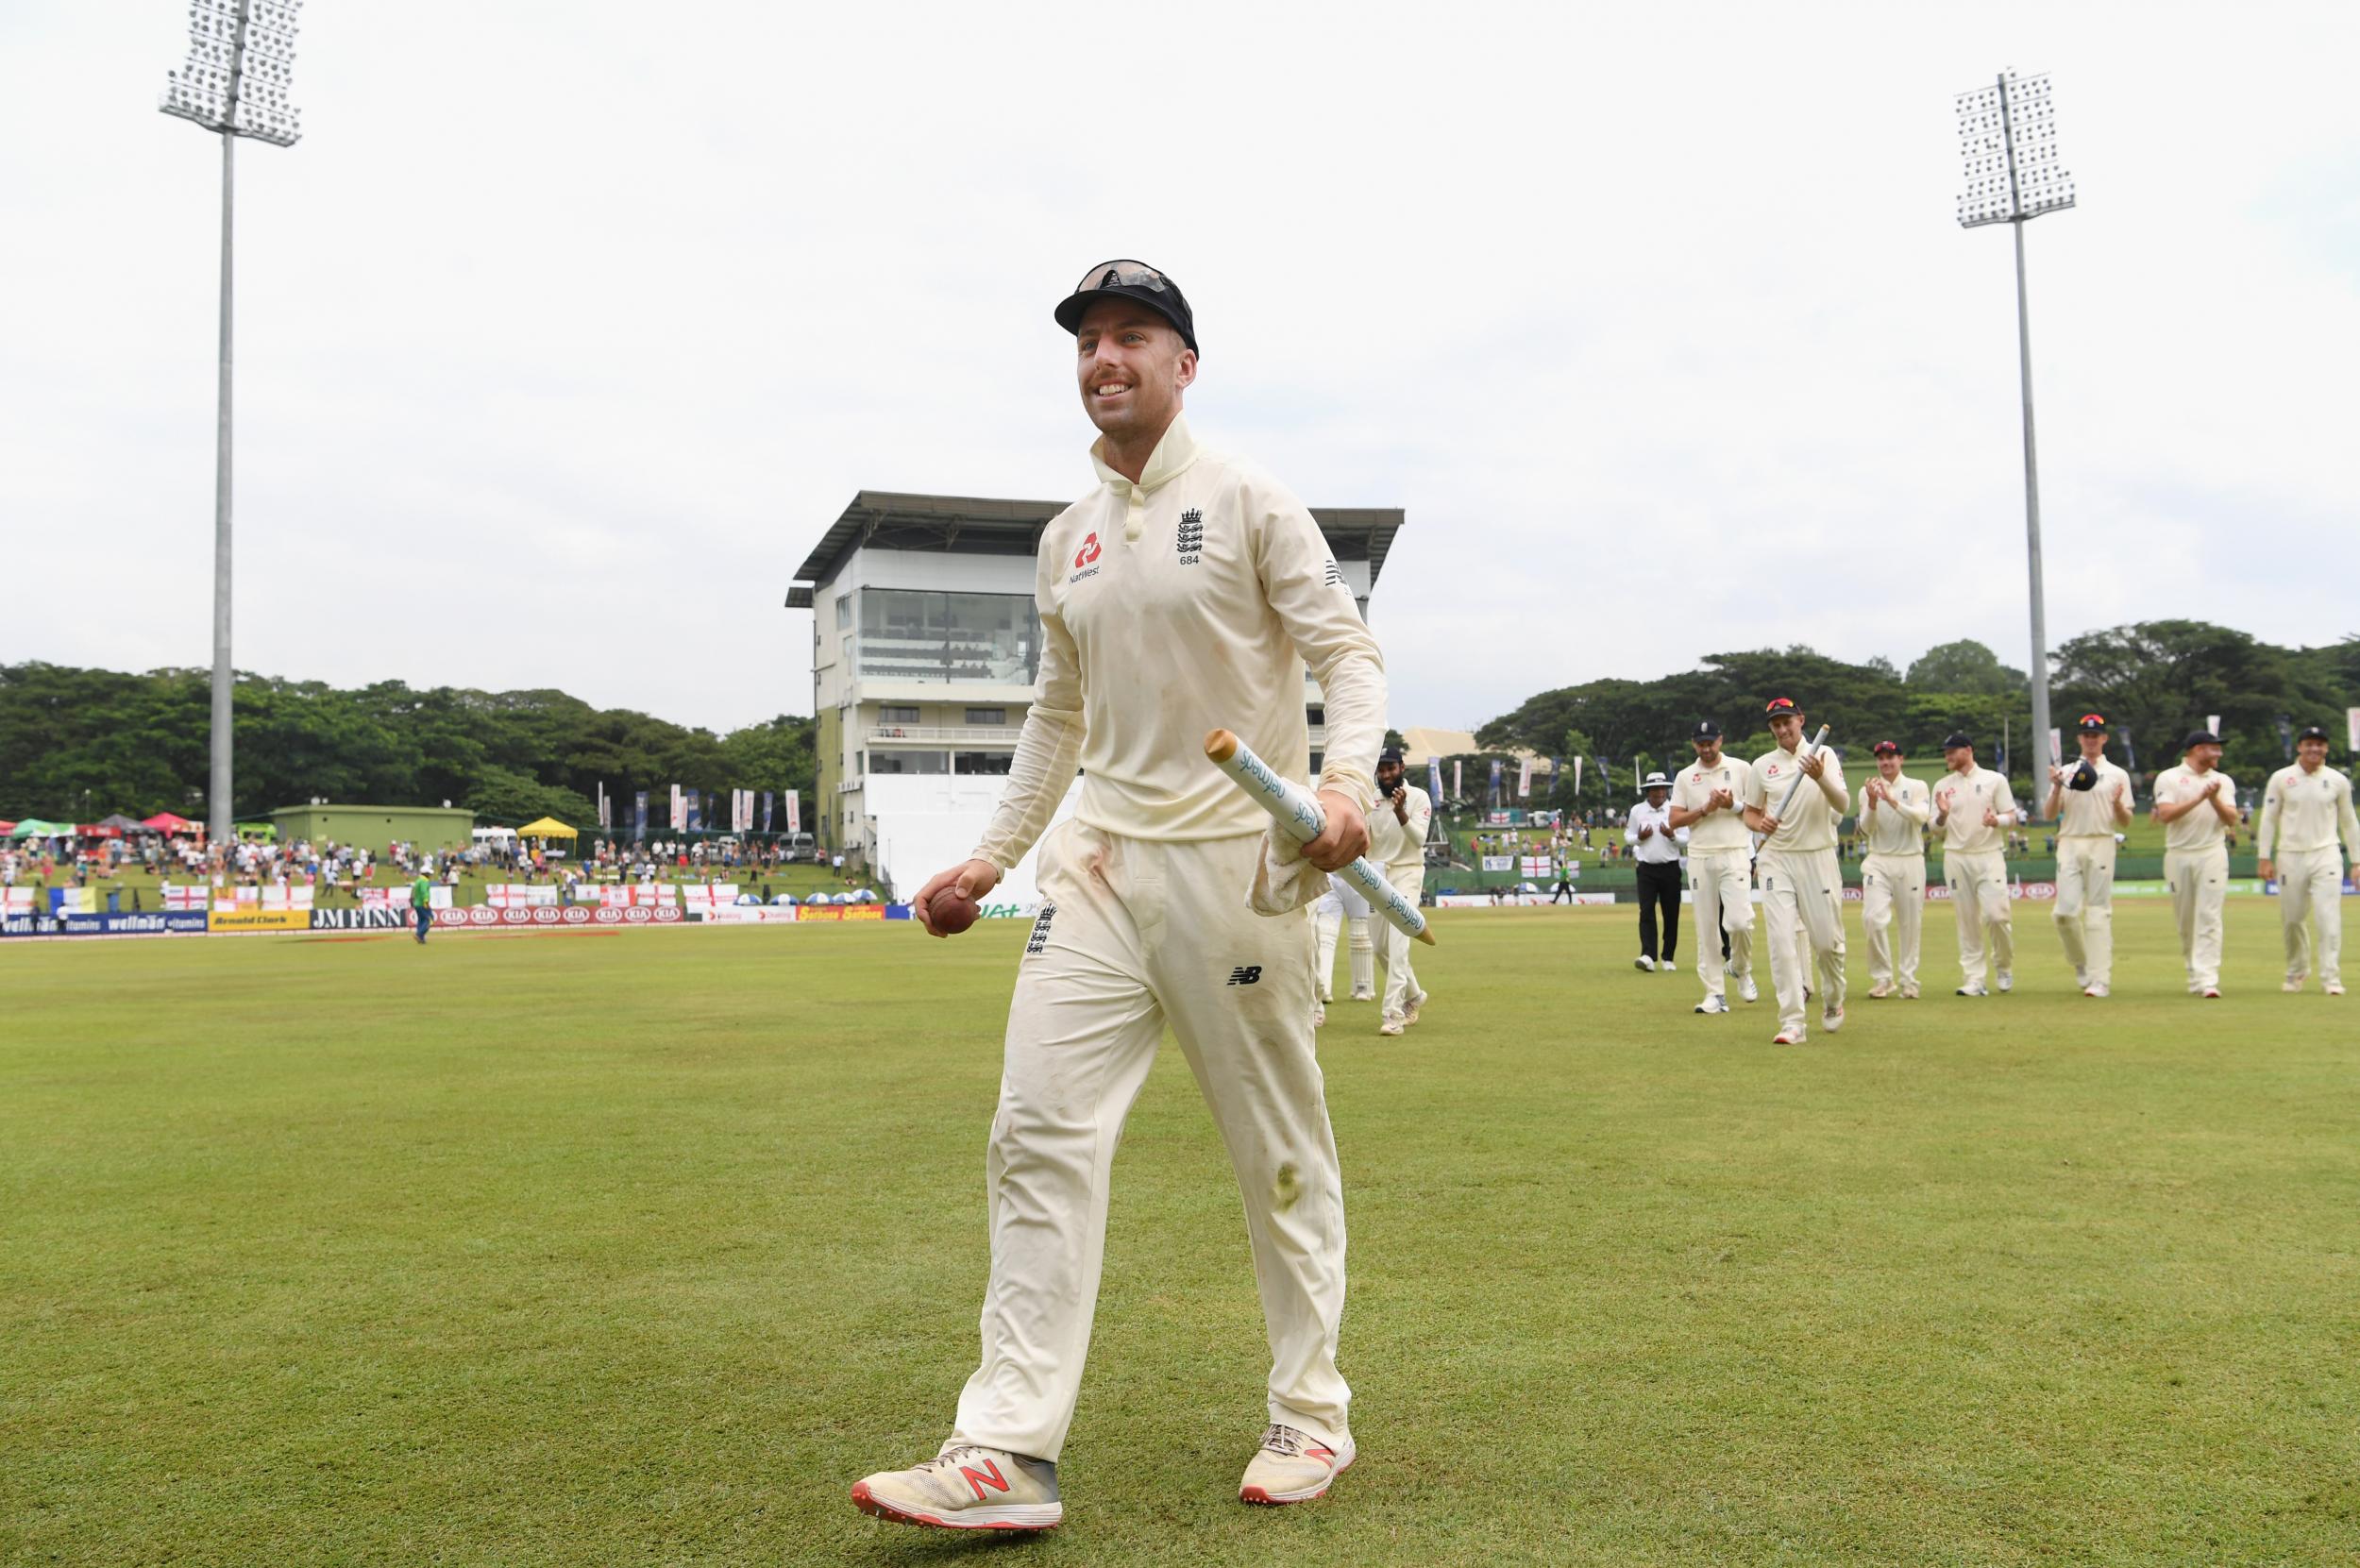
(1658, 887)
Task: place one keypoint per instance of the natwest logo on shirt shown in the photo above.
(1087, 553)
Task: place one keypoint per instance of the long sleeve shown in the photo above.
(1047, 750)
(1919, 812)
(1317, 610)
(2266, 825)
(2347, 824)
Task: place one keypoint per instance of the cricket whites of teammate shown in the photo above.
(1187, 590)
(1707, 799)
(2090, 803)
(1397, 829)
(2197, 804)
(1972, 807)
(2305, 809)
(1893, 813)
(1802, 888)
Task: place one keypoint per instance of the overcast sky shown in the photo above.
(568, 327)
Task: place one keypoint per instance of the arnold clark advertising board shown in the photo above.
(246, 916)
(164, 922)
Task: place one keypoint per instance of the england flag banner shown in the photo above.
(679, 810)
(794, 811)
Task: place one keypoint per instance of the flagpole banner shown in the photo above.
(794, 811)
(2130, 757)
(1434, 778)
(679, 809)
(1495, 782)
(2211, 722)
(2352, 729)
(1459, 783)
(1577, 772)
(2056, 747)
(639, 822)
(765, 811)
(1524, 780)
(694, 803)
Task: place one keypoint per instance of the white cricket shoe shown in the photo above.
(1973, 991)
(1881, 990)
(1833, 1020)
(1292, 1467)
(1363, 996)
(2293, 983)
(1746, 989)
(966, 1487)
(1909, 993)
(1643, 962)
(1392, 1025)
(2007, 980)
(2096, 991)
(1409, 1013)
(2333, 989)
(2211, 993)
(1667, 967)
(1713, 1004)
(1786, 1037)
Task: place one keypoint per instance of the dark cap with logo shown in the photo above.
(2312, 732)
(1391, 754)
(1958, 738)
(1777, 705)
(2200, 737)
(1886, 749)
(1706, 729)
(2092, 724)
(1129, 280)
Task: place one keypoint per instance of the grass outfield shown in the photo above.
(641, 1247)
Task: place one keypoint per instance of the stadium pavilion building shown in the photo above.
(925, 646)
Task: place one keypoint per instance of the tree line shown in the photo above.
(81, 743)
(2154, 682)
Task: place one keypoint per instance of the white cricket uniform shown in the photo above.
(2085, 910)
(1343, 905)
(1975, 866)
(1400, 847)
(1893, 880)
(1720, 869)
(1188, 601)
(1802, 888)
(2195, 868)
(2303, 813)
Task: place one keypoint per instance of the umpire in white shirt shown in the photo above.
(1655, 844)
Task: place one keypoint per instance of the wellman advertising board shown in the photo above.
(164, 922)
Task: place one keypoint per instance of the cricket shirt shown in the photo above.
(1189, 601)
(2090, 813)
(2302, 811)
(1967, 796)
(1395, 845)
(1897, 826)
(2201, 829)
(1810, 822)
(1721, 832)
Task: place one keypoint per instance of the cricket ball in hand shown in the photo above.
(950, 912)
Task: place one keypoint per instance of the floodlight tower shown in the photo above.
(2008, 134)
(241, 56)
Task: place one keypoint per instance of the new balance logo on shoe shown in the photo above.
(988, 1476)
(1250, 975)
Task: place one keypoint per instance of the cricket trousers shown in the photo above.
(2198, 880)
(1892, 916)
(2311, 883)
(1135, 934)
(1802, 898)
(1979, 900)
(2085, 910)
(1659, 890)
(1722, 883)
(1401, 981)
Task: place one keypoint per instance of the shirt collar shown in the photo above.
(1172, 455)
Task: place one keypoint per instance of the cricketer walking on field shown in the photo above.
(1802, 888)
(1186, 593)
(2090, 803)
(1397, 830)
(1972, 805)
(1705, 801)
(2305, 808)
(2197, 804)
(1894, 811)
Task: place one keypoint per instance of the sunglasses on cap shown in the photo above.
(1122, 275)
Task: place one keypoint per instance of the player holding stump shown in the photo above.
(1183, 593)
(2090, 803)
(1397, 830)
(2304, 809)
(1802, 888)
(1705, 800)
(1893, 812)
(1971, 806)
(2197, 804)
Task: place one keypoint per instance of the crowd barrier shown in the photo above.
(22, 917)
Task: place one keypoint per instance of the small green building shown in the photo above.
(372, 828)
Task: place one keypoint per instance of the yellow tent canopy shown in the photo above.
(548, 827)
